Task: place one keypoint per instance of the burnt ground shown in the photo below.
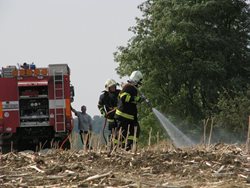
(219, 165)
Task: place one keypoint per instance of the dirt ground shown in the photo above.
(163, 165)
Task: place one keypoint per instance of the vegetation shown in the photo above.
(195, 57)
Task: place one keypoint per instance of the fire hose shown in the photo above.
(105, 123)
(67, 138)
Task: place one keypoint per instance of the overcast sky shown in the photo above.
(82, 33)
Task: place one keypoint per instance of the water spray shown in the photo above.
(179, 139)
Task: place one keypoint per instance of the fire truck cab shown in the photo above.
(35, 106)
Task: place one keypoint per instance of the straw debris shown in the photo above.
(219, 165)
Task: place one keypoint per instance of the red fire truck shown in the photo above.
(35, 106)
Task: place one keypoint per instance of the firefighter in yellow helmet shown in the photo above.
(107, 104)
(126, 112)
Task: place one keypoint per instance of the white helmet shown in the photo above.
(136, 77)
(109, 83)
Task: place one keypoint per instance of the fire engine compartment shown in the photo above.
(34, 106)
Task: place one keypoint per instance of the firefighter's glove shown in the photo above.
(143, 98)
(137, 98)
(140, 98)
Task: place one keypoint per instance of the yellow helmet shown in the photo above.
(109, 83)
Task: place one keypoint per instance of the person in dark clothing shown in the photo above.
(126, 112)
(25, 66)
(107, 104)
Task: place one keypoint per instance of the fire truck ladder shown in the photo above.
(59, 101)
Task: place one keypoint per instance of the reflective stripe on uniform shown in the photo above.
(132, 138)
(127, 116)
(101, 108)
(128, 96)
(124, 141)
(111, 120)
(122, 94)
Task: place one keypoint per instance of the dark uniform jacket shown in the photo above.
(108, 102)
(127, 103)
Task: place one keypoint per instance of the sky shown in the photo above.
(81, 33)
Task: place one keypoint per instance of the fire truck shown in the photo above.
(35, 106)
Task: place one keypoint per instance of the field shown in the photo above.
(161, 165)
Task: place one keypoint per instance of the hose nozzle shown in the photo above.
(146, 100)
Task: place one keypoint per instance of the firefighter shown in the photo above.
(84, 125)
(126, 112)
(107, 104)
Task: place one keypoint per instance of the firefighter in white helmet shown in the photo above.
(126, 112)
(107, 104)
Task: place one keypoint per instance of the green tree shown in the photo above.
(190, 52)
(234, 113)
(98, 123)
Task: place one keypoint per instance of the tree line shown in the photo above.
(195, 57)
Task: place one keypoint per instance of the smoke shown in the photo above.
(223, 135)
